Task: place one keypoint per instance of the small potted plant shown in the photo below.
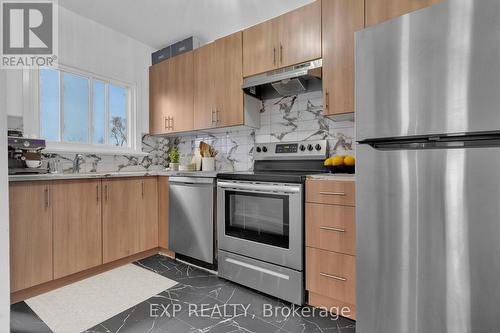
(173, 155)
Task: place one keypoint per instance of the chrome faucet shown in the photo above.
(77, 162)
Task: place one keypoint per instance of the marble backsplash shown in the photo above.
(283, 119)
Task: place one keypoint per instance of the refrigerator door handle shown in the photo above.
(450, 141)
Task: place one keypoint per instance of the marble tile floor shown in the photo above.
(201, 302)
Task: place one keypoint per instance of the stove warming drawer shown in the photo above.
(278, 281)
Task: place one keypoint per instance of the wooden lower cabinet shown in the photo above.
(163, 212)
(331, 227)
(62, 230)
(30, 234)
(77, 226)
(130, 216)
(333, 276)
(120, 212)
(148, 219)
(331, 245)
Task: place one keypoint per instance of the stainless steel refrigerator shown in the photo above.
(428, 171)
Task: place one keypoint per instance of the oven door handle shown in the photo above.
(260, 187)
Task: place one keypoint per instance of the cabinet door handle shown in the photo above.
(47, 197)
(331, 229)
(97, 192)
(274, 55)
(106, 192)
(166, 122)
(338, 278)
(217, 111)
(281, 53)
(341, 194)
(213, 113)
(172, 123)
(327, 100)
(142, 189)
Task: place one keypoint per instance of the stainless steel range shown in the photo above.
(260, 218)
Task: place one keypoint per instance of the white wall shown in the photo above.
(4, 214)
(87, 45)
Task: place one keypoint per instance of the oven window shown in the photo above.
(259, 217)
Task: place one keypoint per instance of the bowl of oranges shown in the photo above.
(341, 164)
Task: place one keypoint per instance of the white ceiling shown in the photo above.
(158, 23)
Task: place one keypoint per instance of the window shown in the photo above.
(80, 109)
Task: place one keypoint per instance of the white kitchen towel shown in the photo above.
(84, 304)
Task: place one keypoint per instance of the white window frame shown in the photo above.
(31, 87)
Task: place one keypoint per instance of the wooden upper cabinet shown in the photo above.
(171, 95)
(381, 10)
(30, 234)
(204, 86)
(300, 35)
(218, 97)
(77, 226)
(340, 20)
(260, 53)
(157, 98)
(290, 39)
(148, 220)
(179, 98)
(228, 80)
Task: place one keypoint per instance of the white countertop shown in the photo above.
(333, 176)
(90, 175)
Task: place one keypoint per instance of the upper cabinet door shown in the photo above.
(300, 35)
(157, 97)
(260, 48)
(204, 86)
(341, 19)
(228, 80)
(179, 93)
(381, 10)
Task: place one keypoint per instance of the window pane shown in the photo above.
(49, 104)
(98, 112)
(76, 108)
(118, 97)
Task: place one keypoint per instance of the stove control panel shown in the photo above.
(317, 149)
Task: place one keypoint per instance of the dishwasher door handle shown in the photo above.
(191, 180)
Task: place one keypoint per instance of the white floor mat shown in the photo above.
(84, 304)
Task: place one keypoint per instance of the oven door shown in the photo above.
(261, 220)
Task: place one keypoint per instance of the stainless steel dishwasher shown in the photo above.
(191, 217)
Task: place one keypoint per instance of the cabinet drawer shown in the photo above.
(330, 192)
(331, 227)
(331, 274)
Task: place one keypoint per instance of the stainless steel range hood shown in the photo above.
(286, 81)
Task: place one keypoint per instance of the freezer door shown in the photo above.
(428, 240)
(434, 71)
